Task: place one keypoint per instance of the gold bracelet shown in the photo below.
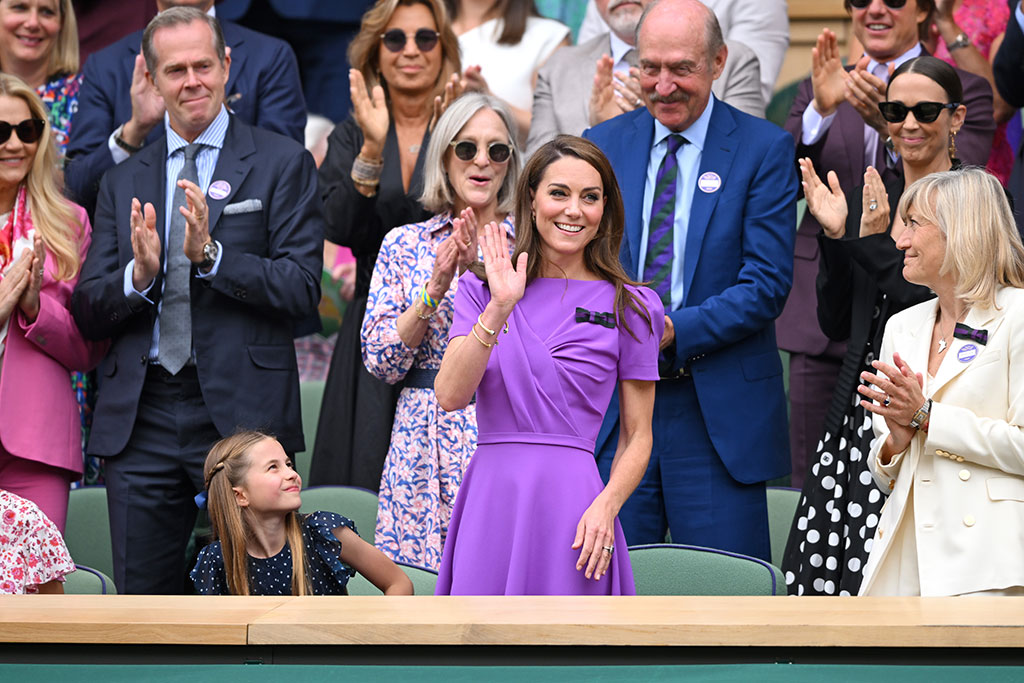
(489, 331)
(418, 305)
(473, 330)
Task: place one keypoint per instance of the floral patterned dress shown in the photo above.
(32, 551)
(430, 448)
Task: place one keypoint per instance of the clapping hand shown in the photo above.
(507, 283)
(826, 203)
(874, 217)
(147, 106)
(197, 221)
(897, 396)
(29, 301)
(474, 81)
(145, 245)
(452, 92)
(864, 91)
(465, 231)
(828, 78)
(371, 114)
(14, 282)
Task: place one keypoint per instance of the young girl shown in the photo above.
(264, 546)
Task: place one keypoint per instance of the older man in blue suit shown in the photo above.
(710, 212)
(206, 252)
(119, 112)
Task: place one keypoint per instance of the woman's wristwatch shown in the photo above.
(921, 416)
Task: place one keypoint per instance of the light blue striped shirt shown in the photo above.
(688, 156)
(206, 161)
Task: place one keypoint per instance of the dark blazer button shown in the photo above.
(143, 360)
(114, 316)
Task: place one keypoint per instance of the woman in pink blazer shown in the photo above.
(43, 240)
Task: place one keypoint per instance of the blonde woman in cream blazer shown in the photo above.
(948, 398)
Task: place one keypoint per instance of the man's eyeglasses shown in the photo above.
(29, 130)
(891, 4)
(395, 39)
(924, 112)
(498, 152)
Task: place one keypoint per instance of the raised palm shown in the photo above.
(507, 283)
(827, 203)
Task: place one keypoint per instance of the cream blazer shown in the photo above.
(968, 470)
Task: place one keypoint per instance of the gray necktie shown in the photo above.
(630, 56)
(176, 311)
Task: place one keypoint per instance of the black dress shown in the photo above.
(860, 286)
(354, 430)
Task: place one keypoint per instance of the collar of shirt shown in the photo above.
(908, 55)
(619, 47)
(695, 135)
(213, 136)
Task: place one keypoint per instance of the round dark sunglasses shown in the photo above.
(498, 152)
(891, 4)
(924, 112)
(395, 39)
(29, 130)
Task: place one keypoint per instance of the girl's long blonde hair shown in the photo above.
(225, 468)
(52, 215)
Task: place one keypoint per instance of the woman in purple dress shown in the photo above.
(532, 516)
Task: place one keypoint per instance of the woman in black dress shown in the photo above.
(860, 286)
(371, 180)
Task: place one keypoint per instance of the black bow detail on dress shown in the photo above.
(962, 331)
(585, 316)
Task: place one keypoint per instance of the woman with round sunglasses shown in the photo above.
(39, 45)
(43, 240)
(371, 181)
(860, 286)
(470, 174)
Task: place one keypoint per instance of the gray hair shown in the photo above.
(983, 248)
(714, 41)
(179, 16)
(438, 194)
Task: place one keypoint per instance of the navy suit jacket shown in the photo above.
(348, 11)
(263, 89)
(242, 318)
(737, 273)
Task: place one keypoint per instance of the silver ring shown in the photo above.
(873, 205)
(639, 101)
(609, 549)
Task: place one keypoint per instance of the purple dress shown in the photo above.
(539, 407)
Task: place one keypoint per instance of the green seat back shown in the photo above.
(357, 504)
(782, 504)
(311, 394)
(423, 581)
(664, 569)
(88, 581)
(88, 529)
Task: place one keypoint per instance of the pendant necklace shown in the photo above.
(942, 339)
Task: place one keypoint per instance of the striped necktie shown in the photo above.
(660, 247)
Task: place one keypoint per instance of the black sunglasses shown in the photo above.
(924, 112)
(891, 4)
(395, 39)
(29, 130)
(498, 152)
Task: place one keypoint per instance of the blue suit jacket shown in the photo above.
(263, 89)
(242, 318)
(737, 273)
(348, 11)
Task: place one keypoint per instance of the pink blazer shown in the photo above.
(39, 418)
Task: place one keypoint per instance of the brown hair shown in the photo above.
(180, 16)
(52, 215)
(513, 15)
(364, 50)
(601, 255)
(225, 468)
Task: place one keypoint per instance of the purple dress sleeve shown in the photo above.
(638, 358)
(470, 301)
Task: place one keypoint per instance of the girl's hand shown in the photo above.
(467, 240)
(14, 283)
(594, 533)
(826, 203)
(897, 397)
(370, 114)
(506, 283)
(444, 267)
(874, 220)
(29, 301)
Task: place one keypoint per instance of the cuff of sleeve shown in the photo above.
(216, 264)
(116, 153)
(133, 295)
(814, 125)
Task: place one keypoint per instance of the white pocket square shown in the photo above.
(248, 206)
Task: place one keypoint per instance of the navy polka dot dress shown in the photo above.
(327, 574)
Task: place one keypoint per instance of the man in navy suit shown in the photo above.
(727, 262)
(206, 251)
(119, 111)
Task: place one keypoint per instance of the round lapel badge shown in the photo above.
(709, 182)
(967, 353)
(219, 189)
